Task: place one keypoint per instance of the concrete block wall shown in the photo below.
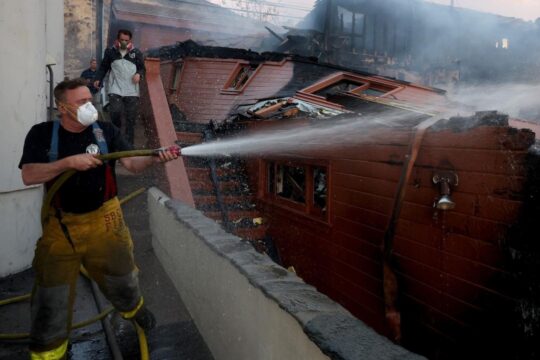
(246, 306)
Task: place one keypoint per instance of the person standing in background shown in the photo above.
(125, 66)
(89, 75)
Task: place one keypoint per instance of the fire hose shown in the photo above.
(143, 345)
(111, 156)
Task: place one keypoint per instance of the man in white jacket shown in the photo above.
(125, 66)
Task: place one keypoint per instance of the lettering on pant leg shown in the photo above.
(113, 220)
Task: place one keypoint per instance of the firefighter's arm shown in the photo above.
(139, 163)
(39, 173)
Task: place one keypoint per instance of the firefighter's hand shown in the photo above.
(83, 162)
(96, 84)
(166, 155)
(136, 78)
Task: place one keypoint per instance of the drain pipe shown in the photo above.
(51, 91)
(390, 281)
(208, 135)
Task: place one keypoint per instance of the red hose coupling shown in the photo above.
(174, 149)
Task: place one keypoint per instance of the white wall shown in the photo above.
(19, 221)
(248, 307)
(236, 319)
(28, 27)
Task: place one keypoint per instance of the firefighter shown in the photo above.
(85, 225)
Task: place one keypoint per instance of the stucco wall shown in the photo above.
(246, 306)
(81, 36)
(30, 29)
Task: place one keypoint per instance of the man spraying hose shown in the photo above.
(84, 225)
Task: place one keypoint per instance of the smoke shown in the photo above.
(441, 43)
(335, 132)
(516, 100)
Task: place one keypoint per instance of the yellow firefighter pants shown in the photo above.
(101, 242)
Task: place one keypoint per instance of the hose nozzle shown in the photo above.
(174, 149)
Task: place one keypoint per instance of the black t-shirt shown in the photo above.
(85, 191)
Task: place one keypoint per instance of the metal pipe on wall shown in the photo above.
(51, 91)
(99, 30)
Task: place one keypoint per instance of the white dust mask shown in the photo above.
(87, 114)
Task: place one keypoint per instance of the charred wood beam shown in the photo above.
(208, 135)
(390, 280)
(274, 33)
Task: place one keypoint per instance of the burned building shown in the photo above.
(423, 42)
(364, 185)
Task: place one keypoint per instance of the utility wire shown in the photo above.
(215, 6)
(273, 4)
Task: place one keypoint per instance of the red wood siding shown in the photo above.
(450, 264)
(156, 114)
(199, 93)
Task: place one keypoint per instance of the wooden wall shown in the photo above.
(454, 280)
(199, 93)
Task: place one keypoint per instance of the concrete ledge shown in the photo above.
(245, 305)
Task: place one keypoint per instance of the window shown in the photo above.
(350, 23)
(350, 26)
(340, 86)
(355, 87)
(345, 18)
(291, 183)
(350, 84)
(503, 44)
(319, 189)
(242, 73)
(298, 186)
(176, 76)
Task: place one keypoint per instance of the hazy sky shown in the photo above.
(524, 9)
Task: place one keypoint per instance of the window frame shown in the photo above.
(177, 73)
(236, 70)
(308, 208)
(366, 83)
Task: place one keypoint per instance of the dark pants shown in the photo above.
(129, 107)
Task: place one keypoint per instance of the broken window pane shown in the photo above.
(176, 78)
(291, 183)
(319, 189)
(345, 18)
(374, 92)
(358, 23)
(242, 76)
(271, 180)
